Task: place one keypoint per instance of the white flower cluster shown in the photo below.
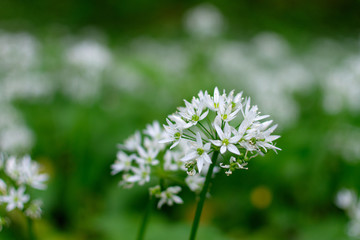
(347, 200)
(142, 157)
(17, 176)
(222, 122)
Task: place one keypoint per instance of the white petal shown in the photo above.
(177, 199)
(190, 156)
(198, 139)
(235, 138)
(206, 158)
(216, 95)
(223, 149)
(10, 207)
(174, 144)
(142, 152)
(219, 131)
(272, 138)
(227, 131)
(134, 178)
(216, 142)
(203, 115)
(200, 163)
(161, 202)
(233, 149)
(166, 140)
(207, 146)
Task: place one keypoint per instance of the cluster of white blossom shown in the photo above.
(347, 200)
(17, 176)
(142, 158)
(222, 122)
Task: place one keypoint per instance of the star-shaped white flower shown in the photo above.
(122, 163)
(214, 102)
(169, 196)
(147, 156)
(235, 101)
(227, 113)
(227, 141)
(195, 182)
(132, 142)
(30, 173)
(173, 131)
(193, 112)
(140, 175)
(154, 131)
(259, 137)
(15, 199)
(199, 151)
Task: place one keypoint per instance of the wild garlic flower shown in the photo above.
(18, 176)
(195, 182)
(168, 196)
(220, 122)
(142, 159)
(199, 151)
(347, 200)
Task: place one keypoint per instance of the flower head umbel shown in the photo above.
(220, 122)
(18, 175)
(144, 159)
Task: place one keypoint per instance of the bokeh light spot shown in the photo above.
(261, 197)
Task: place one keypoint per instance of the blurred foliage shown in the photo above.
(123, 18)
(154, 64)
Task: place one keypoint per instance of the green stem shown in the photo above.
(203, 193)
(206, 130)
(31, 229)
(142, 230)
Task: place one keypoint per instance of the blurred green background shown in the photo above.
(78, 77)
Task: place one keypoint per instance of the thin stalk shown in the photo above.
(210, 127)
(206, 130)
(191, 131)
(186, 136)
(203, 193)
(31, 229)
(142, 229)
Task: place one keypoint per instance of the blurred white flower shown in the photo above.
(15, 198)
(140, 174)
(123, 163)
(18, 51)
(34, 210)
(30, 173)
(169, 196)
(88, 54)
(195, 182)
(16, 138)
(344, 142)
(347, 200)
(26, 171)
(132, 142)
(204, 21)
